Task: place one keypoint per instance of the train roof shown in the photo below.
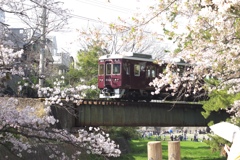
(142, 57)
(128, 55)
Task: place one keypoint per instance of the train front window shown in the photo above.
(101, 69)
(116, 68)
(108, 68)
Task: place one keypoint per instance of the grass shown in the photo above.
(190, 150)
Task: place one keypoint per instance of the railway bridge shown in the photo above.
(112, 113)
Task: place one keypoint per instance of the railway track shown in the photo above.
(124, 103)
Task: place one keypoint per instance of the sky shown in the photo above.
(86, 13)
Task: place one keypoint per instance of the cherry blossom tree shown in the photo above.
(24, 127)
(39, 17)
(122, 35)
(205, 35)
(30, 12)
(8, 65)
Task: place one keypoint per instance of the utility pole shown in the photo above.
(43, 49)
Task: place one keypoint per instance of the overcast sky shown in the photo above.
(87, 12)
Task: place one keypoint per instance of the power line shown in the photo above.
(99, 21)
(106, 6)
(85, 18)
(82, 18)
(110, 5)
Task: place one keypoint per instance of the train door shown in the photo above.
(148, 74)
(138, 76)
(108, 71)
(126, 78)
(116, 74)
(101, 75)
(151, 73)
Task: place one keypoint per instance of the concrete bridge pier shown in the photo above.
(65, 115)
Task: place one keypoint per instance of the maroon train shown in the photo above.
(127, 76)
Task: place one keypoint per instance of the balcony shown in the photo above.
(62, 61)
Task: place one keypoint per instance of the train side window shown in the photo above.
(153, 72)
(148, 72)
(116, 68)
(128, 69)
(181, 69)
(101, 69)
(108, 68)
(136, 70)
(157, 71)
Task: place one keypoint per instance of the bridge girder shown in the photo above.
(145, 114)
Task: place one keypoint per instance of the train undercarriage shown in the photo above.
(136, 95)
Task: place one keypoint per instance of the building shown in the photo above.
(62, 61)
(2, 25)
(2, 16)
(30, 40)
(18, 37)
(32, 45)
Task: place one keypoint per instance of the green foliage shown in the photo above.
(206, 34)
(189, 40)
(168, 33)
(216, 143)
(173, 16)
(92, 93)
(237, 28)
(87, 65)
(86, 71)
(133, 29)
(211, 81)
(189, 150)
(72, 77)
(125, 132)
(26, 83)
(177, 50)
(218, 99)
(111, 25)
(235, 10)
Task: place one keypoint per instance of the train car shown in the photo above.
(127, 76)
